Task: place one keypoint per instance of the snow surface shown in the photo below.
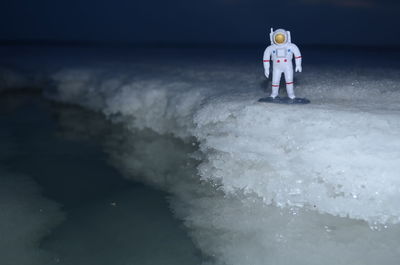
(339, 155)
(257, 183)
(236, 228)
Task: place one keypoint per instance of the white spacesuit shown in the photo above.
(281, 52)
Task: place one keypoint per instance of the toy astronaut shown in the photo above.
(281, 52)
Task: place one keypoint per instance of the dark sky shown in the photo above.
(356, 22)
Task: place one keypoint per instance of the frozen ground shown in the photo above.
(254, 183)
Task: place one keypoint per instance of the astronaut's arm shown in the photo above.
(266, 60)
(297, 57)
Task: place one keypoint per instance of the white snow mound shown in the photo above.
(338, 155)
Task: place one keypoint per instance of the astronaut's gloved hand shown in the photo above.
(266, 72)
(298, 68)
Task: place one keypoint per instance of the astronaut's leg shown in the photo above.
(276, 78)
(289, 81)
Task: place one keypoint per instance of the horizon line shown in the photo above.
(158, 44)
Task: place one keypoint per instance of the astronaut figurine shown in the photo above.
(281, 53)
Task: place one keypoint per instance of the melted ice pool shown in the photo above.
(62, 203)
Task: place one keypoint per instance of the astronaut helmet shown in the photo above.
(280, 36)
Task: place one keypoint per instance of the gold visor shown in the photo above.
(280, 38)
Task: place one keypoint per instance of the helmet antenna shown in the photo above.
(270, 36)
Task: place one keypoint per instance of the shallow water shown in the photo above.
(108, 220)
